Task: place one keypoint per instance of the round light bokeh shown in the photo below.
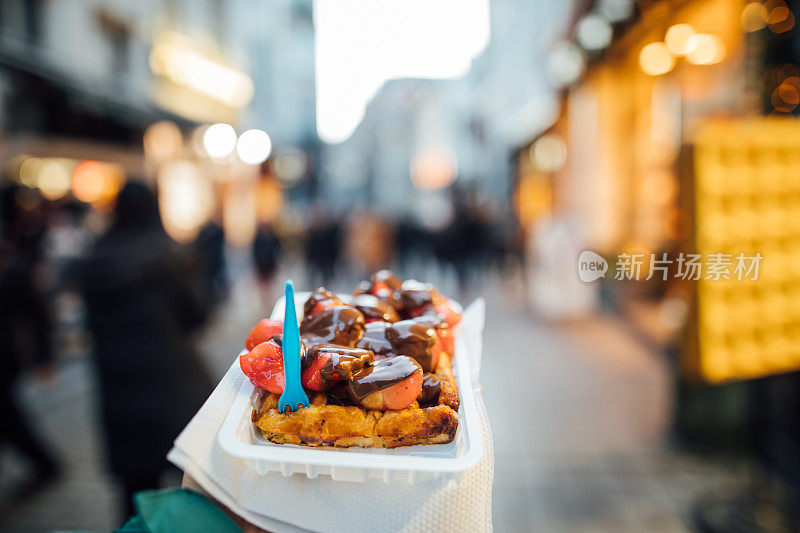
(656, 59)
(679, 39)
(219, 140)
(565, 64)
(254, 147)
(594, 33)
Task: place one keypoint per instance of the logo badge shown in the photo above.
(591, 266)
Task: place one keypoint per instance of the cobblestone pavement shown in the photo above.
(578, 411)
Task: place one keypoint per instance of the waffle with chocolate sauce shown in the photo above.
(327, 422)
(377, 369)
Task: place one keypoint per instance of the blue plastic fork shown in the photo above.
(293, 394)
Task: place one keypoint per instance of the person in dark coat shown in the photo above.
(210, 250)
(142, 309)
(25, 338)
(266, 255)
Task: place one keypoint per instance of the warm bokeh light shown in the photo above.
(185, 199)
(239, 213)
(269, 200)
(549, 152)
(655, 59)
(752, 17)
(54, 178)
(706, 49)
(219, 140)
(785, 97)
(29, 171)
(533, 199)
(679, 39)
(96, 183)
(778, 16)
(181, 61)
(162, 141)
(658, 188)
(433, 169)
(742, 181)
(253, 147)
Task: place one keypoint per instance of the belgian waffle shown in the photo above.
(325, 424)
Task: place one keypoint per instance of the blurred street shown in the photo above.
(619, 179)
(569, 455)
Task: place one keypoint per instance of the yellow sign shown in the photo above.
(747, 200)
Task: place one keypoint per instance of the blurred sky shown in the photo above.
(360, 44)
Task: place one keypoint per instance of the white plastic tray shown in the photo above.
(238, 437)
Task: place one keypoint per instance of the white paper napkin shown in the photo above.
(277, 503)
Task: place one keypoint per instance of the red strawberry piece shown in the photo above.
(311, 377)
(446, 341)
(324, 305)
(264, 366)
(450, 311)
(262, 332)
(381, 287)
(396, 397)
(419, 311)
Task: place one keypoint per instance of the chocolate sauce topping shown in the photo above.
(431, 387)
(414, 339)
(415, 294)
(363, 287)
(372, 307)
(381, 375)
(374, 338)
(431, 319)
(342, 362)
(319, 295)
(339, 394)
(340, 325)
(388, 277)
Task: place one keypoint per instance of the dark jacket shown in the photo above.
(141, 310)
(25, 325)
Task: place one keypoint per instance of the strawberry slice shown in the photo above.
(392, 383)
(381, 287)
(262, 332)
(419, 311)
(446, 343)
(311, 377)
(264, 366)
(320, 300)
(324, 305)
(396, 397)
(450, 311)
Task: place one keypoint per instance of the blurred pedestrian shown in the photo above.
(323, 244)
(142, 308)
(209, 247)
(25, 336)
(266, 254)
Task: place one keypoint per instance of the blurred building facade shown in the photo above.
(136, 85)
(421, 136)
(84, 79)
(674, 139)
